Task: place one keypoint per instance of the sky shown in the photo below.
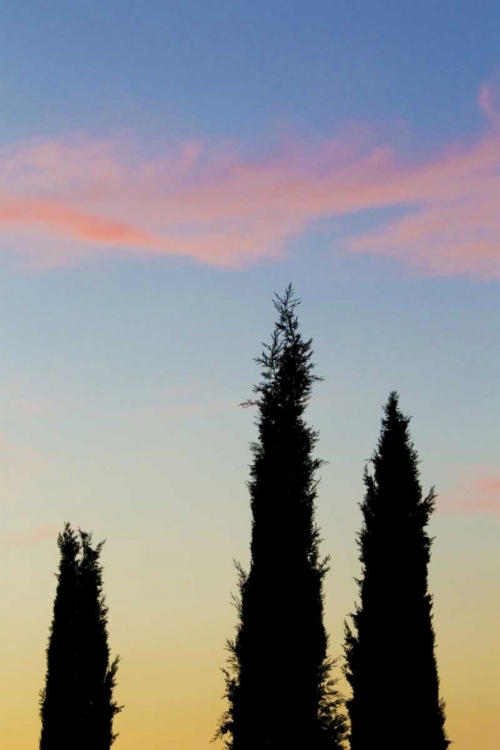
(165, 168)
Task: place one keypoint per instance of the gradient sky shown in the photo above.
(165, 167)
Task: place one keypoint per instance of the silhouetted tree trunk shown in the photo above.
(77, 706)
(278, 686)
(391, 665)
(58, 700)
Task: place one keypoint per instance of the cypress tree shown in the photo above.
(58, 699)
(96, 676)
(390, 659)
(278, 682)
(77, 706)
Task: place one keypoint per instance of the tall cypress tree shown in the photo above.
(278, 683)
(96, 676)
(77, 706)
(58, 700)
(390, 660)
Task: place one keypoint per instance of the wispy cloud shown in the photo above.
(62, 202)
(188, 409)
(489, 99)
(19, 460)
(182, 390)
(34, 536)
(15, 403)
(479, 494)
(29, 408)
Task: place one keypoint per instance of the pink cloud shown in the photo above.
(17, 403)
(62, 202)
(59, 218)
(35, 536)
(19, 461)
(489, 100)
(476, 496)
(182, 390)
(189, 409)
(29, 408)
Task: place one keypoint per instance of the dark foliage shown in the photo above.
(391, 665)
(77, 706)
(58, 700)
(278, 685)
(96, 677)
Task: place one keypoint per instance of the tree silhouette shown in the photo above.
(77, 706)
(278, 682)
(390, 661)
(58, 699)
(96, 676)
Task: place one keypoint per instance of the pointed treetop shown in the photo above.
(392, 411)
(287, 346)
(67, 540)
(288, 302)
(394, 420)
(392, 402)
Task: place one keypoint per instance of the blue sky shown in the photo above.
(234, 68)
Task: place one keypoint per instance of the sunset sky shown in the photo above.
(165, 167)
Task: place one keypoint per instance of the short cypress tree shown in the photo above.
(77, 706)
(58, 700)
(278, 683)
(390, 660)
